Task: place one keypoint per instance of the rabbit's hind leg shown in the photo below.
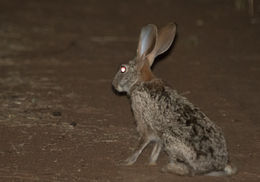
(178, 168)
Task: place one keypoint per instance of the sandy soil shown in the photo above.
(60, 120)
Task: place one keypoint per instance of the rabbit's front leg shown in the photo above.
(144, 141)
(155, 153)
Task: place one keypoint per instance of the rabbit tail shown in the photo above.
(228, 171)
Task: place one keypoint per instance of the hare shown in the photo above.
(194, 144)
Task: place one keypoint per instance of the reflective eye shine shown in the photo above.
(123, 69)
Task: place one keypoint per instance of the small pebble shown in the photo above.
(73, 123)
(56, 113)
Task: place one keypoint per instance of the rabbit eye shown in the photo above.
(123, 69)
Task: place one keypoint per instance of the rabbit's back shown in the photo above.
(186, 132)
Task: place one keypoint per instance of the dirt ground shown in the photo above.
(59, 118)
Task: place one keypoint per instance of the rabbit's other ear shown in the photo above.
(147, 41)
(164, 40)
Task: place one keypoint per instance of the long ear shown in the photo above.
(164, 41)
(147, 40)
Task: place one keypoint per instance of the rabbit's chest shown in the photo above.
(146, 112)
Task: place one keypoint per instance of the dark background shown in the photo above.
(60, 120)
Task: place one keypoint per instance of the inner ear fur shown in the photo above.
(163, 42)
(147, 41)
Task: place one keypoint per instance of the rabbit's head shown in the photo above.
(151, 44)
